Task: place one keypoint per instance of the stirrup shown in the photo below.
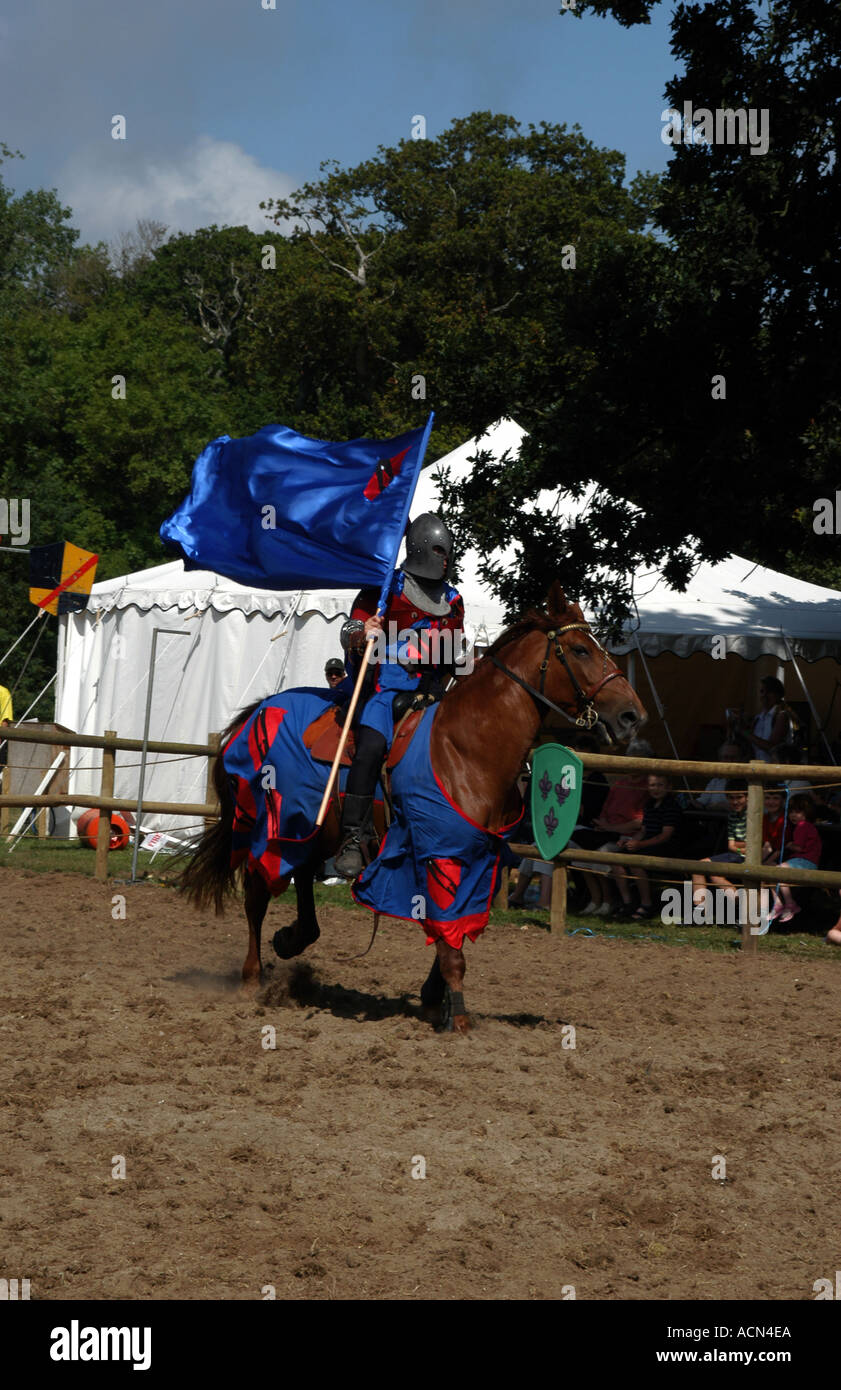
(349, 861)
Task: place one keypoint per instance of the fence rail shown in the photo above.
(752, 871)
(105, 802)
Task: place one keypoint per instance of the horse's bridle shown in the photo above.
(587, 714)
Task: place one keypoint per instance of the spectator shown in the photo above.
(804, 847)
(774, 724)
(712, 798)
(621, 814)
(6, 717)
(737, 818)
(334, 672)
(528, 867)
(596, 787)
(790, 755)
(773, 824)
(826, 806)
(833, 936)
(659, 834)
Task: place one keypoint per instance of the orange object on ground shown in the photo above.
(87, 828)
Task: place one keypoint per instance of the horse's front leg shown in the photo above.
(453, 966)
(257, 898)
(291, 941)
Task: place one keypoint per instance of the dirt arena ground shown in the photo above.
(547, 1166)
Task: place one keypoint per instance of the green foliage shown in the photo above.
(495, 270)
(749, 287)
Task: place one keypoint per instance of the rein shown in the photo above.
(587, 714)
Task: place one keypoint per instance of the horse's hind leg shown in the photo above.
(291, 941)
(432, 994)
(257, 898)
(453, 966)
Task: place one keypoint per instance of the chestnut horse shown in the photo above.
(484, 728)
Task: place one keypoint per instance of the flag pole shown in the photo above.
(351, 710)
(366, 658)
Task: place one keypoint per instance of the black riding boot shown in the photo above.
(358, 802)
(355, 812)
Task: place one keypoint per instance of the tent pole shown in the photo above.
(658, 702)
(172, 632)
(793, 659)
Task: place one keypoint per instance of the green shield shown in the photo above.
(556, 784)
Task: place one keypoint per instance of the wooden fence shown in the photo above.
(105, 802)
(752, 873)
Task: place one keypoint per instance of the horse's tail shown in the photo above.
(208, 876)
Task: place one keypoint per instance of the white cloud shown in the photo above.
(208, 181)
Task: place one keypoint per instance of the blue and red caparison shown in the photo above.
(435, 867)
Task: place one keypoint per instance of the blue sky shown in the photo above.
(227, 103)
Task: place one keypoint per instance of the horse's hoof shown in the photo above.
(252, 983)
(453, 1017)
(431, 1013)
(291, 941)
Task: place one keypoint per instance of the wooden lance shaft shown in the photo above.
(351, 710)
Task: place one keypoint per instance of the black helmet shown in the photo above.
(429, 547)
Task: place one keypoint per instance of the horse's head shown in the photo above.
(560, 657)
(584, 672)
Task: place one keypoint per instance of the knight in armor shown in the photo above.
(414, 670)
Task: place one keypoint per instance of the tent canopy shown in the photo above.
(754, 608)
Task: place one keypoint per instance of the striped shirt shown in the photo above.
(737, 825)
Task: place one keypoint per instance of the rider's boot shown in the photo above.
(356, 811)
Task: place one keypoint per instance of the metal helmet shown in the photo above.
(429, 547)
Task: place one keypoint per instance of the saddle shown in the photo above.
(321, 737)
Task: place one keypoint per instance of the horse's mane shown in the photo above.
(533, 621)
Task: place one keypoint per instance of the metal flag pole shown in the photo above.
(381, 607)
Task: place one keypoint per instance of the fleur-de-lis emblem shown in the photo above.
(551, 821)
(545, 785)
(561, 792)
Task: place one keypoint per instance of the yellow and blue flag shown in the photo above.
(277, 510)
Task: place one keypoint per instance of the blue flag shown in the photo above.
(277, 510)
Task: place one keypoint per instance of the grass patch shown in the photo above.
(68, 856)
(806, 940)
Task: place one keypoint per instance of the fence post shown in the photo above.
(214, 741)
(558, 904)
(106, 789)
(753, 856)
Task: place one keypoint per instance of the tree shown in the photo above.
(34, 240)
(511, 268)
(748, 294)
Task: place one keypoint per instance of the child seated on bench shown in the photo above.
(804, 849)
